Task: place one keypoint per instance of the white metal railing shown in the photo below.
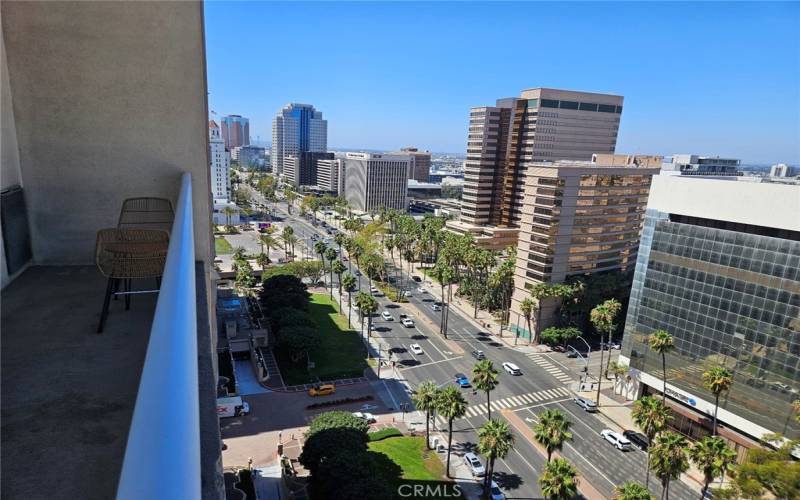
(162, 456)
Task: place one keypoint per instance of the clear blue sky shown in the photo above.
(708, 78)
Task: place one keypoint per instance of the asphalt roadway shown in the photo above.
(546, 382)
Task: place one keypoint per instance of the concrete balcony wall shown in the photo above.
(108, 102)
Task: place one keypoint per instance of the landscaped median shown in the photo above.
(584, 486)
(339, 354)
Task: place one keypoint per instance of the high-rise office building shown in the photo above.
(220, 164)
(376, 180)
(578, 218)
(297, 128)
(420, 163)
(685, 164)
(330, 175)
(719, 269)
(782, 170)
(301, 169)
(235, 131)
(503, 140)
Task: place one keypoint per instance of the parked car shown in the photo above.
(574, 354)
(478, 354)
(637, 438)
(322, 390)
(436, 306)
(369, 417)
(587, 404)
(474, 464)
(619, 441)
(462, 380)
(511, 368)
(615, 345)
(387, 316)
(408, 322)
(559, 348)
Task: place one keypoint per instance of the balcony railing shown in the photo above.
(162, 456)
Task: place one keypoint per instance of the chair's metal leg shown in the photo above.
(116, 289)
(104, 314)
(128, 296)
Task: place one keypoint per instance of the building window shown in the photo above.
(568, 105)
(606, 108)
(550, 103)
(587, 106)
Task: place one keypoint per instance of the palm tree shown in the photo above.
(367, 305)
(661, 342)
(319, 248)
(349, 286)
(668, 459)
(373, 267)
(450, 405)
(651, 416)
(717, 379)
(338, 268)
(484, 376)
(445, 275)
(290, 197)
(228, 211)
(618, 369)
(495, 440)
(425, 400)
(356, 251)
(552, 431)
(267, 242)
(631, 490)
(527, 307)
(331, 255)
(713, 457)
(262, 261)
(602, 318)
(558, 480)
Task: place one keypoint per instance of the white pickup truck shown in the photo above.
(232, 406)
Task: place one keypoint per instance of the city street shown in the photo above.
(547, 381)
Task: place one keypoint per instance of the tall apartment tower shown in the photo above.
(420, 163)
(376, 180)
(235, 131)
(719, 269)
(578, 218)
(220, 163)
(297, 128)
(505, 139)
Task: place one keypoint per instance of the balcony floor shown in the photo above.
(68, 393)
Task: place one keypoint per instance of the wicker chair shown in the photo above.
(125, 254)
(146, 213)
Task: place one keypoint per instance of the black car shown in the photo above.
(417, 279)
(638, 439)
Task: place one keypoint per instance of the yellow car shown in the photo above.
(322, 390)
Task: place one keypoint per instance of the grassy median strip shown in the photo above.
(340, 354)
(405, 464)
(222, 246)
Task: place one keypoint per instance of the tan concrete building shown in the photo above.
(373, 181)
(420, 163)
(540, 125)
(576, 218)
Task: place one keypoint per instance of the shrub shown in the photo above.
(384, 433)
(335, 402)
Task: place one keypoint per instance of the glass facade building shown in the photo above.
(729, 294)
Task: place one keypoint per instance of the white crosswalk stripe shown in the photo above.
(529, 398)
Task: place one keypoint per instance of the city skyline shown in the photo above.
(684, 79)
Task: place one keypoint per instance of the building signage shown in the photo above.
(681, 397)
